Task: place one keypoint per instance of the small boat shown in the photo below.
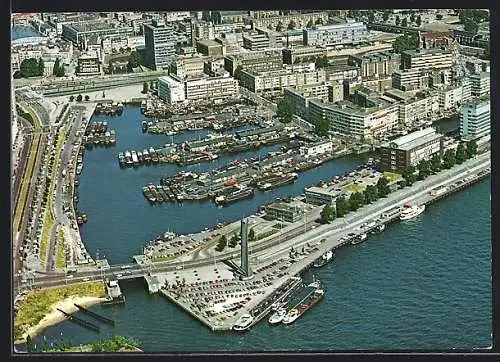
(359, 239)
(277, 316)
(243, 323)
(409, 212)
(325, 258)
(379, 229)
(144, 126)
(278, 305)
(292, 315)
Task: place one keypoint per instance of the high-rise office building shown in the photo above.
(160, 44)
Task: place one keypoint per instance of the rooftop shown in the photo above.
(208, 43)
(414, 139)
(423, 52)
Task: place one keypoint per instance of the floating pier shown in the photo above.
(95, 315)
(80, 321)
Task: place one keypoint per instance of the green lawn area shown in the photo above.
(392, 177)
(49, 218)
(37, 304)
(48, 221)
(355, 187)
(61, 258)
(265, 234)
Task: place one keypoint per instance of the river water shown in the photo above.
(421, 284)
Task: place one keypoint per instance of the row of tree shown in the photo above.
(451, 157)
(233, 241)
(79, 98)
(292, 25)
(357, 199)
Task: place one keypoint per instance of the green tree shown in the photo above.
(286, 110)
(342, 206)
(385, 16)
(134, 60)
(409, 175)
(291, 25)
(470, 26)
(56, 67)
(71, 98)
(398, 20)
(327, 214)
(424, 169)
(419, 20)
(370, 194)
(383, 186)
(407, 41)
(449, 158)
(103, 94)
(471, 148)
(321, 62)
(87, 98)
(371, 17)
(41, 67)
(30, 68)
(309, 24)
(222, 243)
(321, 127)
(319, 21)
(439, 16)
(404, 22)
(279, 26)
(412, 17)
(237, 72)
(461, 153)
(356, 201)
(251, 234)
(29, 344)
(145, 87)
(233, 241)
(436, 163)
(79, 98)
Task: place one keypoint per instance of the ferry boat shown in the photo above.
(135, 159)
(128, 158)
(359, 239)
(277, 181)
(305, 304)
(409, 212)
(243, 323)
(278, 305)
(292, 315)
(379, 229)
(234, 196)
(325, 258)
(277, 316)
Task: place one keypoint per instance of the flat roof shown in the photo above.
(208, 43)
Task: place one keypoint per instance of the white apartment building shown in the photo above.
(336, 34)
(480, 84)
(449, 96)
(216, 89)
(279, 79)
(187, 67)
(171, 89)
(415, 107)
(475, 119)
(349, 119)
(426, 59)
(204, 30)
(172, 16)
(315, 149)
(409, 79)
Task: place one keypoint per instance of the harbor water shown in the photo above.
(23, 32)
(421, 284)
